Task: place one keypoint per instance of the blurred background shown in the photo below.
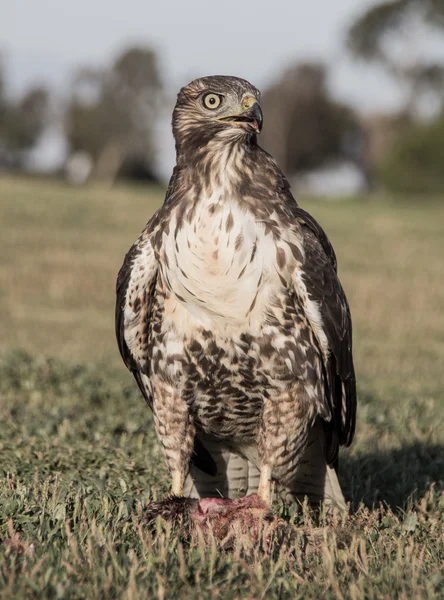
(352, 90)
(354, 114)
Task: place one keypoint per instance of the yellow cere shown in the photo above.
(248, 102)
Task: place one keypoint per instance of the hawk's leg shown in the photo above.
(264, 488)
(283, 434)
(175, 431)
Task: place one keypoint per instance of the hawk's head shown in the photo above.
(216, 107)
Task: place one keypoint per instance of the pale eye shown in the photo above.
(212, 101)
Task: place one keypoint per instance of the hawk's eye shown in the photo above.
(212, 101)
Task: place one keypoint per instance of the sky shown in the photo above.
(254, 39)
(44, 40)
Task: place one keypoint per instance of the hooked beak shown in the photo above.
(250, 119)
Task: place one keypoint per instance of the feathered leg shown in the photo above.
(282, 439)
(314, 478)
(175, 431)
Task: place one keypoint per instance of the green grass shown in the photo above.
(78, 453)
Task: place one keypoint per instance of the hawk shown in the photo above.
(232, 319)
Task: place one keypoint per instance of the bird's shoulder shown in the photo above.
(135, 287)
(320, 291)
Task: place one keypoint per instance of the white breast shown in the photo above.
(221, 267)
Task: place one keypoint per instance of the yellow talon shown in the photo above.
(264, 488)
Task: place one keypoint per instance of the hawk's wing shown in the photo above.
(135, 295)
(135, 289)
(327, 311)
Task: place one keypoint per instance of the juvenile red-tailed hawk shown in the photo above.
(231, 316)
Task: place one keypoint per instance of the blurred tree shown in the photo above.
(3, 105)
(305, 128)
(111, 114)
(415, 162)
(22, 121)
(2, 88)
(382, 131)
(387, 34)
(27, 119)
(93, 117)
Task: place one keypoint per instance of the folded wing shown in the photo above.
(320, 293)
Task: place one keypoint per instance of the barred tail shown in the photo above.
(238, 475)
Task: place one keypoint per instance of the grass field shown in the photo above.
(78, 454)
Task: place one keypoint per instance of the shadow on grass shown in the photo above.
(395, 478)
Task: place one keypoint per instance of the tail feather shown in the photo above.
(232, 479)
(238, 474)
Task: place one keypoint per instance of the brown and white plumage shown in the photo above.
(231, 316)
